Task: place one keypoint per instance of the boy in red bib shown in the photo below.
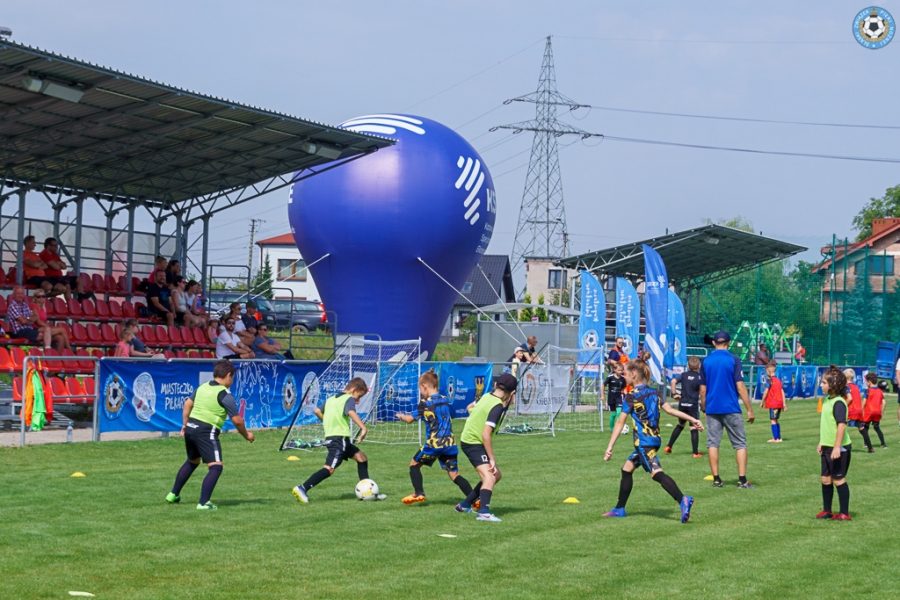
(854, 402)
(774, 401)
(873, 410)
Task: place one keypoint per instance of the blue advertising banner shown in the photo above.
(628, 316)
(807, 382)
(591, 323)
(464, 383)
(676, 339)
(656, 309)
(399, 391)
(150, 395)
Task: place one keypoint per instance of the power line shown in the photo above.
(739, 119)
(671, 41)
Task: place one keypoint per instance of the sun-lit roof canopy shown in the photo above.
(694, 257)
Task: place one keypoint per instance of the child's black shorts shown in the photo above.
(836, 469)
(476, 453)
(339, 450)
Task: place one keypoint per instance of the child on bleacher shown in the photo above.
(123, 349)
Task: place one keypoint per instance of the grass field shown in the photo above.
(111, 534)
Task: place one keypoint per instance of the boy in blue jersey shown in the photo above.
(440, 444)
(643, 405)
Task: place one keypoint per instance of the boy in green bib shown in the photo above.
(203, 417)
(834, 445)
(477, 443)
(336, 415)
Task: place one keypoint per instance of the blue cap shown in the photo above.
(722, 337)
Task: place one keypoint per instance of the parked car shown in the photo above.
(218, 303)
(303, 317)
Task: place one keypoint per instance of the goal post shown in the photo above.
(391, 371)
(583, 407)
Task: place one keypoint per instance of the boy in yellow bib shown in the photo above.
(336, 415)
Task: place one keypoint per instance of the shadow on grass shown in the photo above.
(247, 501)
(659, 513)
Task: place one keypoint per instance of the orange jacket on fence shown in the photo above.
(28, 397)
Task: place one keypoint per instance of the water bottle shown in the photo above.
(69, 433)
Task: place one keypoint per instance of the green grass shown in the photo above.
(111, 533)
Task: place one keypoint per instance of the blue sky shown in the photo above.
(332, 61)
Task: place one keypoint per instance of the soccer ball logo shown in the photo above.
(289, 393)
(451, 388)
(627, 344)
(144, 398)
(590, 339)
(873, 28)
(113, 396)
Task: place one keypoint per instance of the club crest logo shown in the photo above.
(113, 397)
(590, 339)
(527, 392)
(479, 387)
(144, 397)
(312, 393)
(874, 28)
(289, 393)
(451, 388)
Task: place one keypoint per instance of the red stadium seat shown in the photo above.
(11, 276)
(181, 354)
(58, 390)
(3, 307)
(53, 366)
(162, 335)
(79, 335)
(97, 353)
(193, 354)
(98, 284)
(136, 287)
(75, 388)
(60, 308)
(18, 357)
(17, 389)
(94, 335)
(175, 337)
(3, 279)
(6, 364)
(75, 309)
(88, 310)
(148, 335)
(115, 310)
(169, 354)
(84, 366)
(102, 311)
(199, 336)
(112, 286)
(86, 282)
(88, 383)
(69, 366)
(207, 354)
(109, 336)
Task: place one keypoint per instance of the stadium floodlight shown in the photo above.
(51, 88)
(329, 152)
(5, 32)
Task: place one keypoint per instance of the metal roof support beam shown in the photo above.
(182, 258)
(19, 245)
(79, 220)
(57, 217)
(3, 198)
(110, 215)
(179, 222)
(130, 257)
(204, 255)
(157, 241)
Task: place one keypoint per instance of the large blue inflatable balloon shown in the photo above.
(430, 196)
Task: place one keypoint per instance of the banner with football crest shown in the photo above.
(150, 395)
(464, 383)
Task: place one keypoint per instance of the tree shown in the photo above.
(541, 313)
(877, 208)
(860, 322)
(737, 222)
(526, 313)
(262, 280)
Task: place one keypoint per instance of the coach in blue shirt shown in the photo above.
(722, 382)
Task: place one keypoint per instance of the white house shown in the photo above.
(288, 267)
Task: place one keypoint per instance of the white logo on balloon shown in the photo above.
(471, 177)
(144, 398)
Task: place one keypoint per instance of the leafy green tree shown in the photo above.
(541, 313)
(877, 208)
(861, 319)
(262, 280)
(526, 313)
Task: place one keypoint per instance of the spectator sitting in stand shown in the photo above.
(212, 331)
(138, 348)
(229, 345)
(178, 304)
(192, 297)
(159, 264)
(34, 271)
(55, 268)
(173, 270)
(22, 320)
(123, 348)
(158, 294)
(244, 324)
(265, 348)
(58, 335)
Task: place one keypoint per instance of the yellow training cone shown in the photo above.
(78, 474)
(293, 457)
(708, 478)
(571, 500)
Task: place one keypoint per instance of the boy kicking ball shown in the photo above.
(339, 411)
(477, 443)
(440, 444)
(643, 405)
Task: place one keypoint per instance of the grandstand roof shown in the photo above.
(693, 257)
(72, 126)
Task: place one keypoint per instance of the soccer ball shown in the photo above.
(590, 339)
(873, 27)
(625, 429)
(367, 489)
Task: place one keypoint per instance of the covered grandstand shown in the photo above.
(73, 132)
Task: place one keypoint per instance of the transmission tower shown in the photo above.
(542, 227)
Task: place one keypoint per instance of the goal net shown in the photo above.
(391, 371)
(583, 406)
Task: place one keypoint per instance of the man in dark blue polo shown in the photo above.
(722, 383)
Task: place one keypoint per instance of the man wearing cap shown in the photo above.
(722, 383)
(477, 444)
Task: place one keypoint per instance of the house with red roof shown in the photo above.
(288, 267)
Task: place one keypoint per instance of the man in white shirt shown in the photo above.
(229, 345)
